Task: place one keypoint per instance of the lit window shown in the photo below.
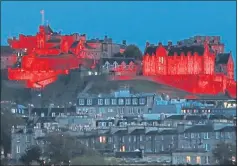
(198, 160)
(188, 159)
(102, 139)
(123, 148)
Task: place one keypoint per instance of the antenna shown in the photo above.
(42, 12)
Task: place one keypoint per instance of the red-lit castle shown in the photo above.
(199, 67)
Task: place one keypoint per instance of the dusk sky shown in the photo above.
(136, 22)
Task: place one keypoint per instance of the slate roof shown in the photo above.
(121, 132)
(168, 132)
(175, 117)
(138, 132)
(199, 129)
(54, 40)
(222, 58)
(152, 132)
(118, 60)
(228, 129)
(214, 117)
(186, 49)
(195, 117)
(172, 49)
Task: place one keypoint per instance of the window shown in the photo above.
(135, 101)
(121, 102)
(114, 102)
(131, 110)
(206, 135)
(142, 101)
(217, 135)
(53, 114)
(121, 110)
(198, 160)
(207, 160)
(228, 135)
(192, 135)
(27, 138)
(42, 114)
(207, 147)
(18, 149)
(107, 101)
(128, 101)
(81, 101)
(18, 138)
(141, 138)
(89, 102)
(100, 101)
(185, 135)
(188, 159)
(162, 147)
(110, 110)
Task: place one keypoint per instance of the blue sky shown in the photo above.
(136, 22)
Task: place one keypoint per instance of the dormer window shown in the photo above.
(81, 101)
(142, 101)
(115, 64)
(107, 64)
(135, 101)
(128, 101)
(100, 101)
(107, 101)
(121, 102)
(89, 101)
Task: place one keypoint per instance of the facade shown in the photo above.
(111, 106)
(184, 139)
(192, 66)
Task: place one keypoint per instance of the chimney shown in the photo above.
(159, 44)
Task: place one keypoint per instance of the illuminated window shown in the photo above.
(102, 139)
(188, 159)
(198, 160)
(123, 148)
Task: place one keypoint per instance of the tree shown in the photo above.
(8, 120)
(63, 147)
(224, 153)
(132, 51)
(33, 153)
